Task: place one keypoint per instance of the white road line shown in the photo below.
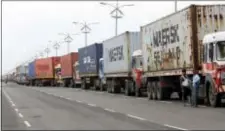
(79, 101)
(16, 109)
(13, 105)
(175, 127)
(27, 123)
(20, 115)
(136, 117)
(168, 102)
(111, 110)
(92, 105)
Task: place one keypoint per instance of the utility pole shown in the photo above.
(85, 29)
(56, 47)
(68, 39)
(117, 10)
(175, 5)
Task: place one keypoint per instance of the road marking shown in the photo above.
(20, 115)
(175, 127)
(168, 102)
(92, 105)
(136, 117)
(27, 123)
(79, 101)
(111, 110)
(16, 109)
(13, 105)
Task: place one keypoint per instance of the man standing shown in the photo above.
(184, 85)
(195, 88)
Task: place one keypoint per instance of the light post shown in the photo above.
(41, 54)
(56, 47)
(175, 5)
(85, 29)
(68, 39)
(117, 10)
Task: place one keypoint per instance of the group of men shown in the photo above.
(190, 87)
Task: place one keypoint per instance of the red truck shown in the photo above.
(68, 72)
(44, 69)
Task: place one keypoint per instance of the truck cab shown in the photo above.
(102, 82)
(76, 76)
(214, 67)
(58, 78)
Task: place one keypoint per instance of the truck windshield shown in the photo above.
(220, 53)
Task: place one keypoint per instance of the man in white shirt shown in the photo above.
(195, 88)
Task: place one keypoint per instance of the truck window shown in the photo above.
(220, 50)
(210, 53)
(205, 53)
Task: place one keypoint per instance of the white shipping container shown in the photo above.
(21, 69)
(117, 52)
(169, 44)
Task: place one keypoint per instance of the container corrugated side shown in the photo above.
(118, 50)
(31, 70)
(44, 68)
(171, 43)
(88, 58)
(67, 64)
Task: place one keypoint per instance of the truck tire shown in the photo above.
(159, 91)
(149, 90)
(127, 88)
(154, 91)
(214, 99)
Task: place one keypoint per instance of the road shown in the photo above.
(51, 108)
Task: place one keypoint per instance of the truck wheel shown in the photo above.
(159, 91)
(149, 90)
(214, 99)
(154, 91)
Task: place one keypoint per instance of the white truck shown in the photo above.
(185, 39)
(117, 55)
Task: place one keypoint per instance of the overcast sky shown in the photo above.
(28, 26)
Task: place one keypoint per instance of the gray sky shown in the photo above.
(28, 26)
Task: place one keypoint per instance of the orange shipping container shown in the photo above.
(67, 64)
(44, 67)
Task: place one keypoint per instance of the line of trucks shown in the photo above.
(148, 62)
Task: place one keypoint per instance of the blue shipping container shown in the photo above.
(89, 59)
(31, 70)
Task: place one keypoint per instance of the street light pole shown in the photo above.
(86, 29)
(68, 39)
(117, 10)
(56, 47)
(175, 5)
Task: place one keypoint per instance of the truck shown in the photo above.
(88, 60)
(192, 38)
(22, 75)
(76, 75)
(45, 73)
(117, 60)
(31, 73)
(67, 69)
(58, 76)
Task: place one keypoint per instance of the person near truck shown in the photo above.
(195, 88)
(185, 87)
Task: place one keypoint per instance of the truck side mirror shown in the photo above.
(133, 62)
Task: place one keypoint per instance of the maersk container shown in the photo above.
(89, 59)
(117, 53)
(31, 70)
(175, 41)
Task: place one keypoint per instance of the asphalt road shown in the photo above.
(42, 111)
(66, 108)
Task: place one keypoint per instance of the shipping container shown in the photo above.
(31, 70)
(67, 64)
(44, 67)
(88, 59)
(181, 40)
(22, 69)
(117, 52)
(175, 41)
